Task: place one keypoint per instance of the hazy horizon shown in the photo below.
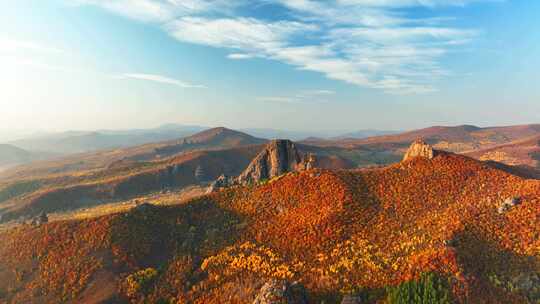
(294, 65)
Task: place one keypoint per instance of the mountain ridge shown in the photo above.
(316, 227)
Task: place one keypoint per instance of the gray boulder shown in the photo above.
(281, 292)
(508, 204)
(41, 219)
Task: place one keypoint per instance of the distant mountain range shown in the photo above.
(46, 145)
(454, 138)
(365, 134)
(11, 155)
(80, 141)
(71, 142)
(301, 135)
(363, 147)
(211, 139)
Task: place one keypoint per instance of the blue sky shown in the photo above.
(285, 64)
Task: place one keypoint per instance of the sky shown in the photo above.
(282, 64)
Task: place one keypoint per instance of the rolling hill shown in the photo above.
(104, 177)
(211, 139)
(369, 232)
(215, 138)
(360, 134)
(465, 139)
(11, 156)
(457, 139)
(523, 152)
(27, 196)
(302, 135)
(96, 178)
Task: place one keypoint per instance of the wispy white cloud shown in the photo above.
(409, 3)
(370, 43)
(161, 79)
(306, 96)
(238, 33)
(239, 56)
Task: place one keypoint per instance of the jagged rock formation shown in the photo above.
(280, 156)
(222, 181)
(281, 292)
(419, 148)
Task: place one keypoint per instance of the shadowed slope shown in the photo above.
(119, 183)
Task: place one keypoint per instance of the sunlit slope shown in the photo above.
(333, 231)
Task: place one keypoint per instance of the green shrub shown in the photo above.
(139, 281)
(429, 289)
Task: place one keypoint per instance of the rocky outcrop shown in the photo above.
(280, 156)
(507, 204)
(41, 219)
(419, 148)
(222, 181)
(310, 162)
(281, 292)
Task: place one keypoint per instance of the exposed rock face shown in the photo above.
(42, 218)
(281, 292)
(222, 181)
(508, 204)
(279, 157)
(310, 162)
(419, 149)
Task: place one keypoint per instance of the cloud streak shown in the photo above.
(306, 96)
(374, 44)
(162, 79)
